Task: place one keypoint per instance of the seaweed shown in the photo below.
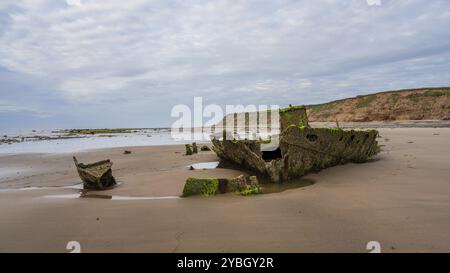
(200, 186)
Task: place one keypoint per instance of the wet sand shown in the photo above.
(401, 199)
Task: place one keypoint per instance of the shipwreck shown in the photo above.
(96, 176)
(297, 149)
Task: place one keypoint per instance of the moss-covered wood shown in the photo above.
(294, 115)
(200, 186)
(307, 149)
(96, 176)
(245, 185)
(242, 185)
(302, 149)
(188, 149)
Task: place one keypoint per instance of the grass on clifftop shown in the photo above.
(365, 101)
(431, 93)
(322, 107)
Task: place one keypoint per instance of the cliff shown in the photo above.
(408, 104)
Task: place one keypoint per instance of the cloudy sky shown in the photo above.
(115, 63)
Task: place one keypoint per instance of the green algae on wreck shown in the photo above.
(96, 176)
(300, 148)
(294, 115)
(241, 185)
(194, 148)
(188, 149)
(245, 186)
(200, 186)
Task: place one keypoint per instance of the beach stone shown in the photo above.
(194, 148)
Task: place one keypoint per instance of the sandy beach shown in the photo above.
(400, 199)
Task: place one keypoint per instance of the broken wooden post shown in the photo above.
(188, 149)
(96, 176)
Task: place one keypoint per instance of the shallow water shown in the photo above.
(8, 172)
(76, 187)
(82, 193)
(205, 165)
(108, 197)
(51, 142)
(87, 143)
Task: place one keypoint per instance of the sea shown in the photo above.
(58, 141)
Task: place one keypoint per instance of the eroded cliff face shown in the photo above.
(413, 104)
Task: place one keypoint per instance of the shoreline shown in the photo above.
(50, 144)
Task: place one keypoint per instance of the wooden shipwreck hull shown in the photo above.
(96, 176)
(301, 149)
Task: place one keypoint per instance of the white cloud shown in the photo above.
(8, 107)
(138, 50)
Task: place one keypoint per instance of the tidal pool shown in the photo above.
(205, 165)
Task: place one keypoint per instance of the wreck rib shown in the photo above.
(301, 149)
